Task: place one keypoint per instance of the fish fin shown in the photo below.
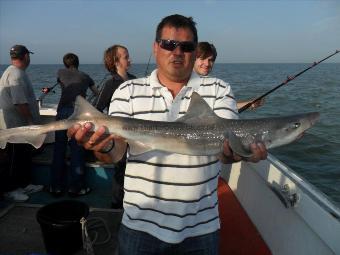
(84, 110)
(36, 141)
(136, 147)
(198, 111)
(236, 145)
(3, 144)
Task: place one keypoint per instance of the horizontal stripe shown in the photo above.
(171, 229)
(213, 84)
(215, 109)
(121, 100)
(210, 96)
(145, 96)
(170, 199)
(135, 84)
(172, 214)
(138, 113)
(224, 108)
(172, 183)
(148, 112)
(135, 161)
(120, 113)
(222, 97)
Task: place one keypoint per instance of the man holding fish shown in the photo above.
(170, 203)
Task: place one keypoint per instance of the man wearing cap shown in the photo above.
(18, 107)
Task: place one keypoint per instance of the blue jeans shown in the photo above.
(59, 173)
(132, 242)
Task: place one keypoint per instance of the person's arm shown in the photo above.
(25, 113)
(99, 142)
(253, 106)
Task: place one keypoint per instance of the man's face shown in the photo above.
(203, 66)
(175, 65)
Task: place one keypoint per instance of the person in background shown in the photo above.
(73, 83)
(18, 107)
(170, 201)
(205, 59)
(117, 62)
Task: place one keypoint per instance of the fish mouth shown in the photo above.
(300, 136)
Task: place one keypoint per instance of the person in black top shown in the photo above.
(73, 83)
(117, 62)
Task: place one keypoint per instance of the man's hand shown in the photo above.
(98, 141)
(258, 150)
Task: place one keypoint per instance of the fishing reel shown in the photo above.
(47, 90)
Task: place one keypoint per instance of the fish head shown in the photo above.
(289, 128)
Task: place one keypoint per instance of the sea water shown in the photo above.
(316, 156)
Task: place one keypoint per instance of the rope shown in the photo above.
(87, 244)
(89, 226)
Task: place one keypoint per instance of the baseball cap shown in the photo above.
(18, 51)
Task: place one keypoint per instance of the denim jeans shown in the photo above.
(59, 173)
(132, 242)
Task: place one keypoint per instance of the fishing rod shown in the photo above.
(147, 67)
(93, 97)
(46, 90)
(289, 78)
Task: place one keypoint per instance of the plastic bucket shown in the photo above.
(60, 226)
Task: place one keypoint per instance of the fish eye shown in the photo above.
(296, 125)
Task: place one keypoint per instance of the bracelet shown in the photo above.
(109, 149)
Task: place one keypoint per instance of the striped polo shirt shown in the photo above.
(171, 196)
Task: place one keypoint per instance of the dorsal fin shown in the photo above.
(84, 110)
(198, 111)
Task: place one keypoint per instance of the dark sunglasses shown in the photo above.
(170, 45)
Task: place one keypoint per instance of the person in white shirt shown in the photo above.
(18, 107)
(170, 203)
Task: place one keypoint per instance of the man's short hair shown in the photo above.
(177, 21)
(19, 51)
(71, 60)
(205, 50)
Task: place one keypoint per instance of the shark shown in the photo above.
(200, 132)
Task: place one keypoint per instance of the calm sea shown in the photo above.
(316, 156)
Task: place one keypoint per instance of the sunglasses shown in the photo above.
(170, 45)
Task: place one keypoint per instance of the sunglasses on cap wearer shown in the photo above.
(170, 45)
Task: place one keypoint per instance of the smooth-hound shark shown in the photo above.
(199, 132)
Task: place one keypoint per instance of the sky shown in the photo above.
(285, 31)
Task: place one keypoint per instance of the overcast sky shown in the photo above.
(243, 31)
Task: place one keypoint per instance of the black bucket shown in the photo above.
(60, 226)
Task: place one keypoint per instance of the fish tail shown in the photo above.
(21, 135)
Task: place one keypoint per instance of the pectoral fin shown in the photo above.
(236, 145)
(136, 148)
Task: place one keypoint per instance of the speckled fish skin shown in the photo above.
(199, 132)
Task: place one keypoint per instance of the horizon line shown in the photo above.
(223, 63)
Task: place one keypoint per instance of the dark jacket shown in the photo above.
(110, 86)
